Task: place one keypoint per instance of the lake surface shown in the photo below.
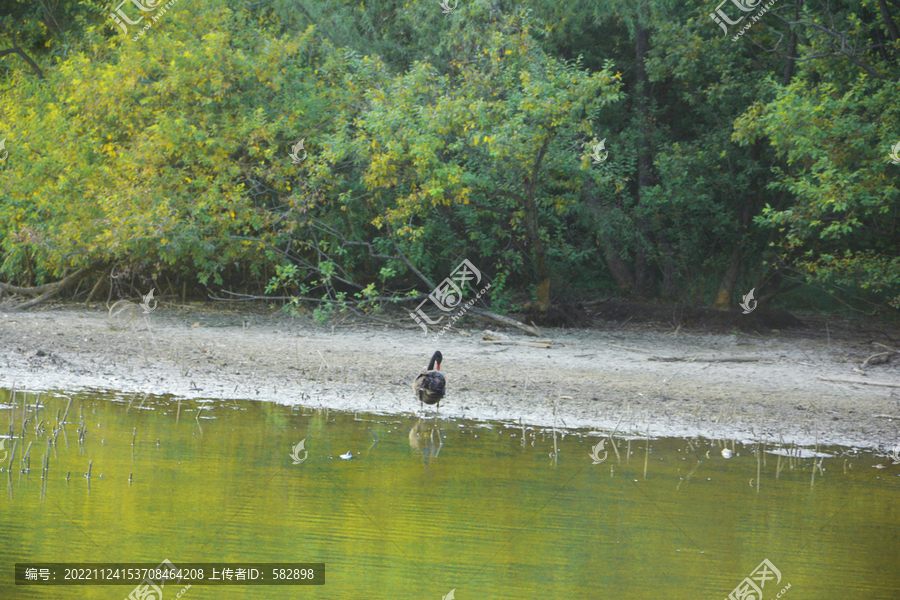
(466, 507)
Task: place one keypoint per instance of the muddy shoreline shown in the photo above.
(597, 379)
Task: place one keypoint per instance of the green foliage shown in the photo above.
(432, 138)
(835, 138)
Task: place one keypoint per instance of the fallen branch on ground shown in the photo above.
(877, 359)
(881, 357)
(395, 324)
(506, 321)
(533, 344)
(629, 349)
(46, 291)
(859, 382)
(709, 360)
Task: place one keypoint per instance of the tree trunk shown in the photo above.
(670, 289)
(791, 49)
(618, 268)
(729, 279)
(534, 232)
(888, 21)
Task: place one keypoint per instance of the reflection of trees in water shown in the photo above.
(426, 440)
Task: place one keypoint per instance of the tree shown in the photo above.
(502, 134)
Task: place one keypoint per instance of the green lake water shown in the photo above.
(409, 518)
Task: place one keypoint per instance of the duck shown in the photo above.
(429, 385)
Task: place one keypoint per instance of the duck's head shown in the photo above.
(436, 359)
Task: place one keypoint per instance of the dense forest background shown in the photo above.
(435, 134)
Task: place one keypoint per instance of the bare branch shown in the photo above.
(17, 50)
(844, 51)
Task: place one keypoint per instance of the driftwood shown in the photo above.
(628, 349)
(880, 358)
(709, 360)
(506, 321)
(533, 344)
(44, 292)
(859, 382)
(490, 338)
(877, 359)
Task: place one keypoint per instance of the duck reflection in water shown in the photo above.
(426, 440)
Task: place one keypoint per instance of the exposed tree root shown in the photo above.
(44, 292)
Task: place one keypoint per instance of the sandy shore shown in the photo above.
(597, 379)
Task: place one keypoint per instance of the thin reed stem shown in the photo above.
(647, 454)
